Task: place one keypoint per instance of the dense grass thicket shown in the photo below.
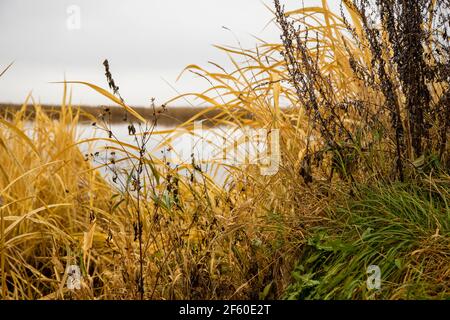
(361, 99)
(402, 228)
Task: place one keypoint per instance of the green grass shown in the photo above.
(402, 228)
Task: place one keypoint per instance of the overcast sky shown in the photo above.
(145, 42)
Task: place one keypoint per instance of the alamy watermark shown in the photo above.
(73, 277)
(73, 21)
(374, 279)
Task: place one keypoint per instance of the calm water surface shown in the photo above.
(217, 147)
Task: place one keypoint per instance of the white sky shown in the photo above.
(144, 41)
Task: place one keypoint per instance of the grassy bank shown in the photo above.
(203, 241)
(197, 240)
(363, 178)
(402, 228)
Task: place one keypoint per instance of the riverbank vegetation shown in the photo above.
(361, 101)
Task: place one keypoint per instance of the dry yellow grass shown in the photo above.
(199, 241)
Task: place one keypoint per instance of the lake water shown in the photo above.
(214, 149)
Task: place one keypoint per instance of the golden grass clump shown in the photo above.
(47, 191)
(198, 240)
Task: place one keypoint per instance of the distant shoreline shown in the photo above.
(171, 115)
